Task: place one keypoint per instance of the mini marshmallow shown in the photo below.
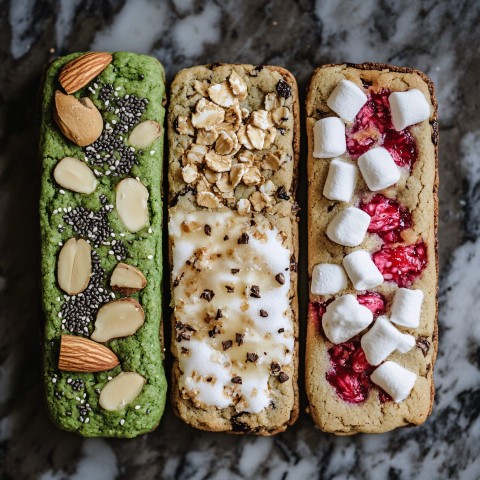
(408, 108)
(383, 339)
(378, 168)
(345, 318)
(348, 227)
(361, 270)
(395, 380)
(346, 100)
(406, 307)
(341, 180)
(329, 138)
(328, 279)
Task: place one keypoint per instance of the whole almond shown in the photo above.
(117, 319)
(127, 279)
(132, 204)
(75, 175)
(145, 133)
(121, 390)
(78, 354)
(74, 266)
(80, 71)
(79, 120)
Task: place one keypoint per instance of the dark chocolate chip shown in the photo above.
(255, 291)
(243, 240)
(275, 367)
(213, 332)
(227, 344)
(295, 207)
(282, 193)
(423, 344)
(293, 263)
(219, 314)
(280, 278)
(225, 238)
(252, 357)
(207, 229)
(263, 313)
(207, 295)
(229, 288)
(237, 380)
(239, 338)
(235, 270)
(281, 330)
(282, 377)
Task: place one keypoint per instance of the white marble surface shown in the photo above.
(440, 38)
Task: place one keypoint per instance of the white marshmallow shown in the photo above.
(329, 138)
(378, 168)
(328, 278)
(383, 339)
(345, 318)
(408, 108)
(395, 380)
(406, 307)
(341, 180)
(348, 227)
(361, 270)
(346, 100)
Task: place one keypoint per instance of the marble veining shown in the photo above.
(440, 38)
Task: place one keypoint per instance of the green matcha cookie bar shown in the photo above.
(372, 260)
(233, 150)
(101, 150)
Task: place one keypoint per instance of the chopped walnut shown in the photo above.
(272, 101)
(252, 176)
(207, 114)
(218, 163)
(184, 126)
(222, 94)
(206, 137)
(236, 173)
(243, 206)
(280, 115)
(208, 200)
(256, 136)
(261, 119)
(227, 143)
(270, 161)
(195, 154)
(190, 173)
(201, 87)
(238, 86)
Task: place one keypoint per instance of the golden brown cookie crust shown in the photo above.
(419, 194)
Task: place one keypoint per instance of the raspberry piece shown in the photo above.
(389, 218)
(401, 147)
(374, 301)
(402, 264)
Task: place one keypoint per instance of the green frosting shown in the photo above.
(142, 76)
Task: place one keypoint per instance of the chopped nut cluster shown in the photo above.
(230, 146)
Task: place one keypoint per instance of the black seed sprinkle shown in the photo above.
(207, 229)
(283, 89)
(239, 338)
(275, 367)
(252, 357)
(207, 295)
(255, 291)
(76, 384)
(282, 377)
(227, 344)
(263, 313)
(280, 278)
(244, 238)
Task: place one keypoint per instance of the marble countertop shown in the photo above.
(440, 38)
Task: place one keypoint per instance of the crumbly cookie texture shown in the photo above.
(233, 133)
(416, 191)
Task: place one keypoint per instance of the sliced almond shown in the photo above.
(261, 119)
(82, 70)
(252, 176)
(145, 133)
(79, 120)
(184, 126)
(208, 200)
(207, 114)
(74, 267)
(121, 390)
(189, 173)
(222, 94)
(132, 204)
(218, 163)
(280, 115)
(75, 175)
(78, 354)
(238, 86)
(256, 136)
(127, 279)
(117, 319)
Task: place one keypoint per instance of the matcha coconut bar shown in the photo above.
(100, 213)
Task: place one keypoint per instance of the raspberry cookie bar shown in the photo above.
(373, 265)
(233, 146)
(100, 214)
